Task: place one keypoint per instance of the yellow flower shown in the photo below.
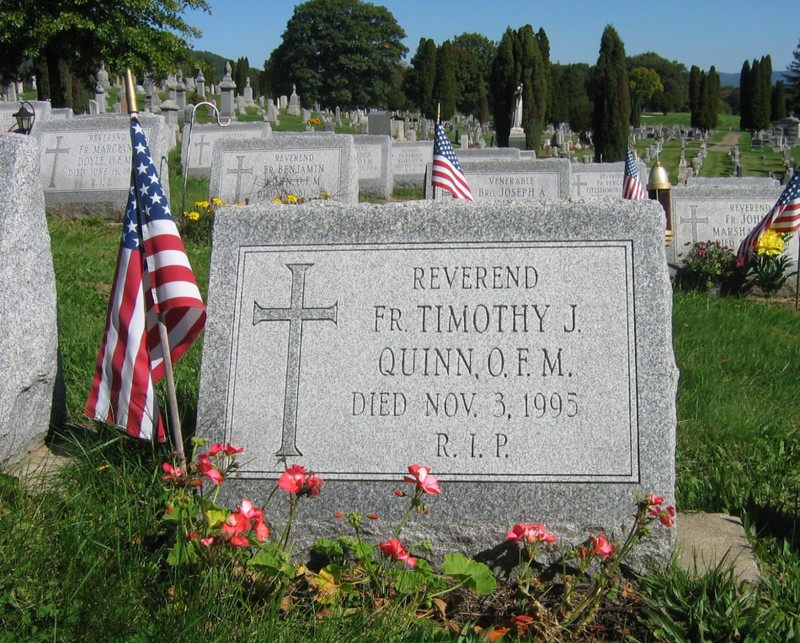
(770, 244)
(325, 195)
(194, 216)
(277, 199)
(217, 201)
(201, 204)
(291, 198)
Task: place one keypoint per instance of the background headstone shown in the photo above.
(86, 163)
(374, 172)
(520, 179)
(203, 137)
(256, 171)
(409, 161)
(29, 341)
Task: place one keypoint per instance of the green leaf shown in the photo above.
(182, 553)
(476, 576)
(329, 548)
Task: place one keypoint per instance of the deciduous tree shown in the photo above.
(72, 38)
(339, 52)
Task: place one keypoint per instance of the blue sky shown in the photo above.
(723, 33)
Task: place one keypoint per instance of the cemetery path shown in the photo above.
(728, 141)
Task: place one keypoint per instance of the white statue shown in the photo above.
(517, 120)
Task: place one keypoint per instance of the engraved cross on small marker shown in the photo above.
(55, 151)
(578, 184)
(295, 314)
(694, 221)
(238, 171)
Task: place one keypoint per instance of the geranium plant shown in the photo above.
(706, 264)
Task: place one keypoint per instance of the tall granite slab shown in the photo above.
(601, 179)
(493, 179)
(29, 341)
(310, 166)
(86, 163)
(721, 213)
(198, 158)
(523, 350)
(409, 160)
(374, 174)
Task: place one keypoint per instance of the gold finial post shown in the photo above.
(130, 93)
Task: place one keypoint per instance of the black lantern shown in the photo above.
(25, 118)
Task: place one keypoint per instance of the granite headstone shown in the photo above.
(86, 163)
(203, 138)
(311, 166)
(522, 350)
(522, 178)
(29, 341)
(374, 175)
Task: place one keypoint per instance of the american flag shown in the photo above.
(153, 278)
(784, 218)
(631, 185)
(447, 173)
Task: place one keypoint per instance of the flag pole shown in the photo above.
(175, 422)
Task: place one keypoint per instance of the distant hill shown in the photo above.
(732, 80)
(219, 62)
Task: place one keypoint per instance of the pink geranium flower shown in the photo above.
(421, 476)
(299, 481)
(173, 474)
(206, 468)
(227, 449)
(531, 533)
(245, 517)
(393, 548)
(600, 546)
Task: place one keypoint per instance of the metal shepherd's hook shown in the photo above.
(189, 144)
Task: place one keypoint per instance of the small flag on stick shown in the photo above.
(153, 279)
(784, 218)
(632, 187)
(447, 172)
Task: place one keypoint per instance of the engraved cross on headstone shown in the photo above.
(578, 184)
(694, 221)
(238, 171)
(55, 151)
(201, 144)
(295, 314)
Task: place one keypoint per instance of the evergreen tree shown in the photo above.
(445, 89)
(714, 97)
(503, 85)
(421, 81)
(534, 87)
(694, 94)
(766, 89)
(544, 51)
(474, 54)
(757, 96)
(745, 98)
(558, 111)
(778, 110)
(793, 83)
(611, 103)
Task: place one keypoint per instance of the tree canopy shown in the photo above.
(339, 52)
(72, 37)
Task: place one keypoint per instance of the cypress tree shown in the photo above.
(714, 97)
(445, 89)
(757, 96)
(766, 88)
(611, 102)
(503, 86)
(694, 94)
(549, 83)
(778, 110)
(793, 84)
(745, 98)
(534, 87)
(425, 75)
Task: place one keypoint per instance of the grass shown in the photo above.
(98, 519)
